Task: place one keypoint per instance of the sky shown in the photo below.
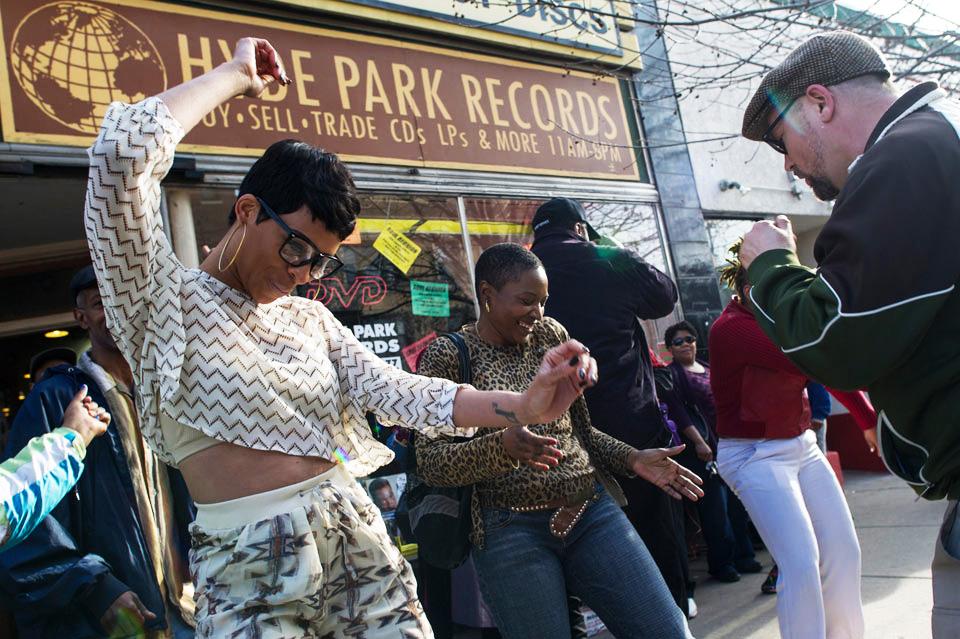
(942, 15)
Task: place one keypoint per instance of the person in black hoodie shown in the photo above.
(600, 293)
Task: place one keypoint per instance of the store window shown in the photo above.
(396, 301)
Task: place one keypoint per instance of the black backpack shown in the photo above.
(439, 516)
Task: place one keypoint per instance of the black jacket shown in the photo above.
(882, 309)
(600, 294)
(90, 549)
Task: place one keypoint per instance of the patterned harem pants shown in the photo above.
(311, 560)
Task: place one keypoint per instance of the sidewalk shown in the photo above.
(896, 534)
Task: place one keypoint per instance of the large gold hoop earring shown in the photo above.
(243, 236)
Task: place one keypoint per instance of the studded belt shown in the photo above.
(568, 510)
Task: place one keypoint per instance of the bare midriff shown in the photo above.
(227, 471)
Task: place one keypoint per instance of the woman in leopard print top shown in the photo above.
(545, 513)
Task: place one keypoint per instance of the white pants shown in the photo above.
(796, 503)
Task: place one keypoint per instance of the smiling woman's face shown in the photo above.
(517, 305)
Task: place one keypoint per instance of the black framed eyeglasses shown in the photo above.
(680, 341)
(297, 250)
(777, 145)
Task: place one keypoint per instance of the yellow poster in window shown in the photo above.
(398, 248)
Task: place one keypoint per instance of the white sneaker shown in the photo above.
(691, 608)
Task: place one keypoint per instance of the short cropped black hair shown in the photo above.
(502, 263)
(682, 325)
(291, 173)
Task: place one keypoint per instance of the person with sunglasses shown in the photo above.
(722, 518)
(260, 397)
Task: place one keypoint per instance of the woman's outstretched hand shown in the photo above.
(565, 372)
(655, 465)
(258, 62)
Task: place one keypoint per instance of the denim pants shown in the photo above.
(525, 573)
(797, 505)
(946, 576)
(659, 520)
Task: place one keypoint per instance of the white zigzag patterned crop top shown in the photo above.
(284, 376)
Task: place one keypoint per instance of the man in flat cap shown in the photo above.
(882, 310)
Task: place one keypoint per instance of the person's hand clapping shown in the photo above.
(260, 65)
(565, 372)
(766, 236)
(85, 416)
(531, 449)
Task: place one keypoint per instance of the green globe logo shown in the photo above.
(72, 59)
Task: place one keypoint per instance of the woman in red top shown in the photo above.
(768, 455)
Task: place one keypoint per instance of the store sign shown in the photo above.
(364, 290)
(382, 339)
(411, 353)
(585, 24)
(370, 99)
(430, 299)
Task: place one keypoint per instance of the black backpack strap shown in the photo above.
(466, 371)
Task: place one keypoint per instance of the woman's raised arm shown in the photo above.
(255, 65)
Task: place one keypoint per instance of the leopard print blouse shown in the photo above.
(588, 454)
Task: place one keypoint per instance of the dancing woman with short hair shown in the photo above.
(259, 397)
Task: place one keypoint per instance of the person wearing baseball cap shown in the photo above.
(882, 308)
(44, 360)
(562, 213)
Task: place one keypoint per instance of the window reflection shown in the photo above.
(391, 304)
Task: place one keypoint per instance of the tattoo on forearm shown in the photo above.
(508, 415)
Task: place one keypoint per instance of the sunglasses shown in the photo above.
(776, 144)
(680, 341)
(297, 250)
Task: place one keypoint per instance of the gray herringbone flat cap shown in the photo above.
(827, 59)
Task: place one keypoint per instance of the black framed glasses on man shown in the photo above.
(297, 250)
(680, 341)
(777, 144)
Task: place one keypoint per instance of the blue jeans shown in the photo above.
(179, 628)
(525, 573)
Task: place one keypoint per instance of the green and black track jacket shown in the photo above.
(882, 310)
